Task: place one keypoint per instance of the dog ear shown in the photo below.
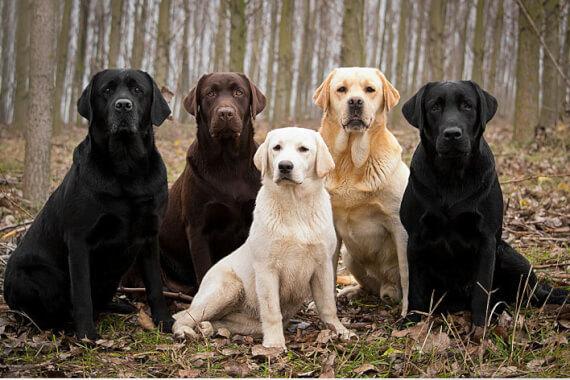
(84, 103)
(257, 98)
(321, 97)
(192, 100)
(487, 104)
(391, 95)
(413, 108)
(324, 161)
(159, 109)
(260, 158)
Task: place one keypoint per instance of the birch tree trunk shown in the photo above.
(22, 65)
(352, 44)
(220, 38)
(162, 44)
(285, 63)
(495, 52)
(479, 44)
(138, 38)
(115, 38)
(238, 35)
(62, 58)
(80, 54)
(39, 129)
(8, 46)
(436, 37)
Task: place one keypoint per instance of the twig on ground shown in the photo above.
(13, 226)
(171, 295)
(552, 265)
(527, 178)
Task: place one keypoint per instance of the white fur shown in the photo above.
(287, 257)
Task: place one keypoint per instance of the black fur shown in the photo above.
(453, 209)
(102, 218)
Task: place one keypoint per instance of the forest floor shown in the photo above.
(522, 342)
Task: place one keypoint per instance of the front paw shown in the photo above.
(409, 320)
(275, 342)
(477, 333)
(183, 332)
(346, 335)
(87, 333)
(164, 324)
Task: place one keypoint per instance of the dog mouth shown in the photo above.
(225, 130)
(355, 124)
(287, 180)
(123, 126)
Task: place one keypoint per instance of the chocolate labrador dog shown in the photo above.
(211, 204)
(104, 216)
(453, 210)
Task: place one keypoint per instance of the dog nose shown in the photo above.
(285, 167)
(355, 102)
(225, 113)
(452, 133)
(123, 105)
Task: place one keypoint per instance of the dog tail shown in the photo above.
(515, 277)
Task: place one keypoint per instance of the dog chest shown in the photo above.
(361, 228)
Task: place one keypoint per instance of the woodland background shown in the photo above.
(519, 50)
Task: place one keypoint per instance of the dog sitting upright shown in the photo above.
(368, 181)
(453, 210)
(211, 204)
(103, 217)
(288, 254)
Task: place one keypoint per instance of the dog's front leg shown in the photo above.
(480, 298)
(324, 297)
(80, 278)
(149, 262)
(401, 240)
(200, 253)
(267, 289)
(418, 292)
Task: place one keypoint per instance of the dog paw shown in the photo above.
(275, 343)
(164, 324)
(206, 329)
(183, 332)
(346, 335)
(477, 333)
(351, 292)
(89, 334)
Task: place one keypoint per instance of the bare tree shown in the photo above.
(115, 38)
(22, 65)
(238, 35)
(479, 44)
(62, 58)
(550, 104)
(7, 62)
(436, 51)
(163, 44)
(285, 63)
(352, 44)
(138, 38)
(39, 129)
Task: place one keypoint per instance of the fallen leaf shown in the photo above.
(556, 339)
(271, 352)
(534, 364)
(328, 367)
(507, 371)
(365, 368)
(230, 352)
(237, 369)
(324, 337)
(145, 321)
(202, 356)
(564, 323)
(191, 372)
(437, 342)
(345, 280)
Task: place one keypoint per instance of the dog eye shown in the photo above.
(370, 89)
(238, 92)
(107, 90)
(341, 89)
(277, 147)
(303, 149)
(466, 106)
(435, 108)
(138, 90)
(211, 94)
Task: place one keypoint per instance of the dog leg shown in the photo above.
(150, 263)
(200, 253)
(325, 301)
(240, 323)
(480, 298)
(218, 295)
(267, 288)
(401, 240)
(79, 270)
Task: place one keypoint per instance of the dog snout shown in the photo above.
(285, 167)
(123, 105)
(356, 102)
(226, 113)
(452, 133)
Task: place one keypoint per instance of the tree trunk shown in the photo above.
(497, 33)
(304, 69)
(238, 35)
(565, 62)
(387, 24)
(403, 39)
(549, 109)
(323, 39)
(38, 132)
(285, 63)
(436, 37)
(479, 44)
(8, 46)
(62, 58)
(463, 39)
(526, 98)
(257, 41)
(352, 44)
(162, 60)
(98, 63)
(115, 38)
(375, 40)
(79, 69)
(220, 39)
(419, 44)
(184, 79)
(271, 60)
(22, 65)
(138, 38)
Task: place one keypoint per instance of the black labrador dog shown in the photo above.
(103, 218)
(452, 210)
(210, 207)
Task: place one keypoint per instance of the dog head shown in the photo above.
(356, 97)
(225, 102)
(451, 116)
(122, 103)
(290, 156)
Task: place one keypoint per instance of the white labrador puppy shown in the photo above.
(288, 254)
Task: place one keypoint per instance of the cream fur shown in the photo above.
(287, 257)
(368, 182)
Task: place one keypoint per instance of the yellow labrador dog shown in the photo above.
(288, 255)
(368, 181)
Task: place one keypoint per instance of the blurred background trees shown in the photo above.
(288, 46)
